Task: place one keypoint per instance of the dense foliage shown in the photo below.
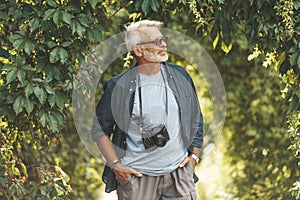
(43, 44)
(262, 167)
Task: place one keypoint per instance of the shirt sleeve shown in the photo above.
(103, 122)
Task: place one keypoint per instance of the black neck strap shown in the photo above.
(140, 99)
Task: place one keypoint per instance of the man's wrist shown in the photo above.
(111, 165)
(195, 157)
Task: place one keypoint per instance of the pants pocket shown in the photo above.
(194, 196)
(125, 191)
(128, 181)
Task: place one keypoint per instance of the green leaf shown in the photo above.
(73, 25)
(20, 190)
(138, 3)
(145, 6)
(67, 17)
(83, 19)
(34, 24)
(51, 44)
(28, 106)
(2, 182)
(11, 76)
(27, 67)
(59, 117)
(93, 3)
(3, 15)
(49, 89)
(12, 189)
(57, 17)
(154, 5)
(63, 55)
(60, 186)
(42, 118)
(66, 44)
(54, 57)
(15, 37)
(21, 75)
(52, 3)
(67, 85)
(294, 103)
(40, 94)
(294, 58)
(29, 46)
(60, 100)
(214, 31)
(7, 67)
(39, 80)
(80, 29)
(52, 100)
(50, 189)
(298, 62)
(19, 44)
(18, 105)
(49, 13)
(53, 124)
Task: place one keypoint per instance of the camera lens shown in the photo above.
(160, 140)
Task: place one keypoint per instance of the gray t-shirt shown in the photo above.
(154, 161)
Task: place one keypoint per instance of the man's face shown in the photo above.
(153, 52)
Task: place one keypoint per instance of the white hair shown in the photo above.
(132, 35)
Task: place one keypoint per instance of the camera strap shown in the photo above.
(140, 99)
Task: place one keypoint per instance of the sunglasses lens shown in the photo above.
(160, 41)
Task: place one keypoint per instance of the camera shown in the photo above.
(157, 137)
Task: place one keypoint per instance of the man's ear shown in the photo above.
(137, 50)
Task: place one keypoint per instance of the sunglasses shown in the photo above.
(157, 42)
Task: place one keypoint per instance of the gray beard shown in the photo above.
(155, 58)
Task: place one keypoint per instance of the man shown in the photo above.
(153, 115)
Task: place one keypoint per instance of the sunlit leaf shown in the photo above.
(226, 48)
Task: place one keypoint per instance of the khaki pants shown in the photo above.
(178, 185)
